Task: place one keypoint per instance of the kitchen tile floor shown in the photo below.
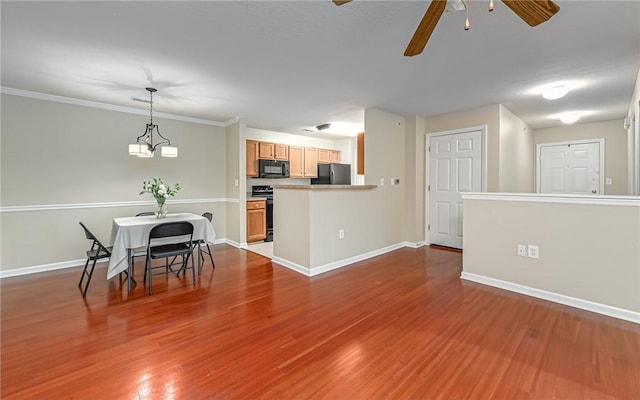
(262, 248)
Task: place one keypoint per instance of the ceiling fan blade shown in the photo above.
(533, 12)
(426, 27)
(341, 2)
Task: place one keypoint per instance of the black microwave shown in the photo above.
(273, 169)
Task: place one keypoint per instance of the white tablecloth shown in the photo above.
(133, 232)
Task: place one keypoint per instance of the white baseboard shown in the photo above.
(74, 263)
(41, 268)
(291, 265)
(604, 309)
(336, 264)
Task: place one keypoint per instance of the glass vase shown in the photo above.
(162, 210)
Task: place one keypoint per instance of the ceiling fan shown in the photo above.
(533, 12)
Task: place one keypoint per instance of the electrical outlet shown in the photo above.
(522, 250)
(395, 181)
(340, 233)
(609, 181)
(236, 183)
(533, 251)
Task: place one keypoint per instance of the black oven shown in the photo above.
(267, 192)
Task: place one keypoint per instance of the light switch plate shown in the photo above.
(522, 250)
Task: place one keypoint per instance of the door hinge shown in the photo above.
(428, 227)
(429, 149)
(428, 188)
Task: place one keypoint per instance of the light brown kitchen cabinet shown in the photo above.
(281, 152)
(273, 151)
(326, 156)
(256, 220)
(310, 162)
(296, 162)
(252, 158)
(303, 162)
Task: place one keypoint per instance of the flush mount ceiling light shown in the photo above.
(557, 89)
(145, 145)
(555, 92)
(569, 118)
(323, 127)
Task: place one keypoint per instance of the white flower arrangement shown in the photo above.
(159, 190)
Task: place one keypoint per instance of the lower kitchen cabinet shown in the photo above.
(256, 220)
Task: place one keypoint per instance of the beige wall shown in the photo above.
(415, 180)
(63, 155)
(385, 159)
(307, 224)
(232, 171)
(589, 252)
(489, 116)
(633, 142)
(517, 149)
(615, 137)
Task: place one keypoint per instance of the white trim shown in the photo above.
(42, 268)
(631, 201)
(415, 245)
(601, 156)
(52, 207)
(67, 264)
(233, 243)
(291, 265)
(112, 107)
(336, 264)
(604, 309)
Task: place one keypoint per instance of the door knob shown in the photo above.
(594, 191)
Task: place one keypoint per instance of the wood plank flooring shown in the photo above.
(398, 326)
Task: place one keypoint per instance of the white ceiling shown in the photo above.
(290, 65)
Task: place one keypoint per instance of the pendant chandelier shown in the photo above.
(145, 145)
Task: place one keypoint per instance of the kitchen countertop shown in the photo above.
(325, 187)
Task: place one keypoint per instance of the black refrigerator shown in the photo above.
(333, 174)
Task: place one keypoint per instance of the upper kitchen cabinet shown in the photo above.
(273, 151)
(252, 158)
(326, 156)
(303, 162)
(310, 162)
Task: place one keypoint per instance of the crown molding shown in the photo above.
(111, 107)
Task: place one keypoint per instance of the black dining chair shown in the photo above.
(184, 248)
(97, 252)
(140, 252)
(202, 242)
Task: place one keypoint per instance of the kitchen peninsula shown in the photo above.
(324, 227)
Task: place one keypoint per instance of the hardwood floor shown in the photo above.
(398, 326)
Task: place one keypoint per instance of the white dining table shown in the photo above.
(131, 233)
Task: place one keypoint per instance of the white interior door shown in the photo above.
(455, 166)
(570, 168)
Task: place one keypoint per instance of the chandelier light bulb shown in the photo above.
(490, 5)
(467, 25)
